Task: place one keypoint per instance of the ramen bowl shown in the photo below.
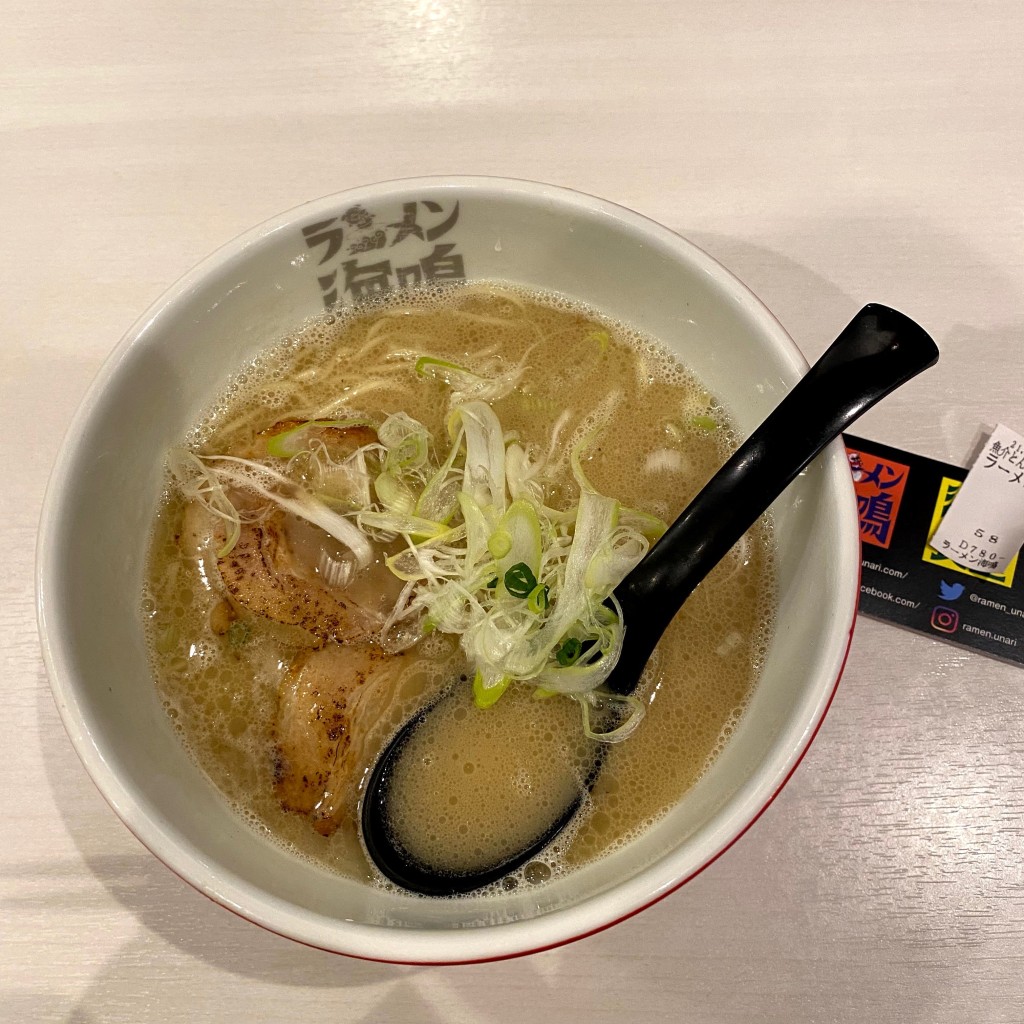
(172, 364)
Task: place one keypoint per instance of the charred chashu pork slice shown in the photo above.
(328, 705)
(262, 573)
(271, 573)
(284, 569)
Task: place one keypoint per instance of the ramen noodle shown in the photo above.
(332, 551)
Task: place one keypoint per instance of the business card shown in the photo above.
(901, 500)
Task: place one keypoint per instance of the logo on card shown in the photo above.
(950, 591)
(944, 619)
(879, 484)
(943, 500)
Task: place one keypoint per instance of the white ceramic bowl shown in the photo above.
(105, 487)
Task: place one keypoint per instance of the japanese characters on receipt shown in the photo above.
(984, 527)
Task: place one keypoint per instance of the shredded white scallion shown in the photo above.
(527, 587)
(484, 580)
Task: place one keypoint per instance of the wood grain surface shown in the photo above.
(829, 154)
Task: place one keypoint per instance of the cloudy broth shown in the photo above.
(222, 671)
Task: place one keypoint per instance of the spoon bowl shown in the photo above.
(877, 352)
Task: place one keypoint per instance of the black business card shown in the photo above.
(901, 499)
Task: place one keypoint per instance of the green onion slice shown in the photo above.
(430, 366)
(406, 440)
(520, 581)
(486, 694)
(537, 600)
(297, 439)
(569, 652)
(499, 543)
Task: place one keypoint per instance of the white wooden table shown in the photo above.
(830, 153)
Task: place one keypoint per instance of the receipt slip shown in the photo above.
(902, 501)
(984, 528)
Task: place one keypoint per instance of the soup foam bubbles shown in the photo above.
(222, 695)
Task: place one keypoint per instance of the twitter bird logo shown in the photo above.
(950, 591)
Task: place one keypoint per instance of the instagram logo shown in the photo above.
(944, 619)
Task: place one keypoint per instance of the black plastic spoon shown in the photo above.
(878, 351)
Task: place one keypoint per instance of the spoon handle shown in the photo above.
(878, 351)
